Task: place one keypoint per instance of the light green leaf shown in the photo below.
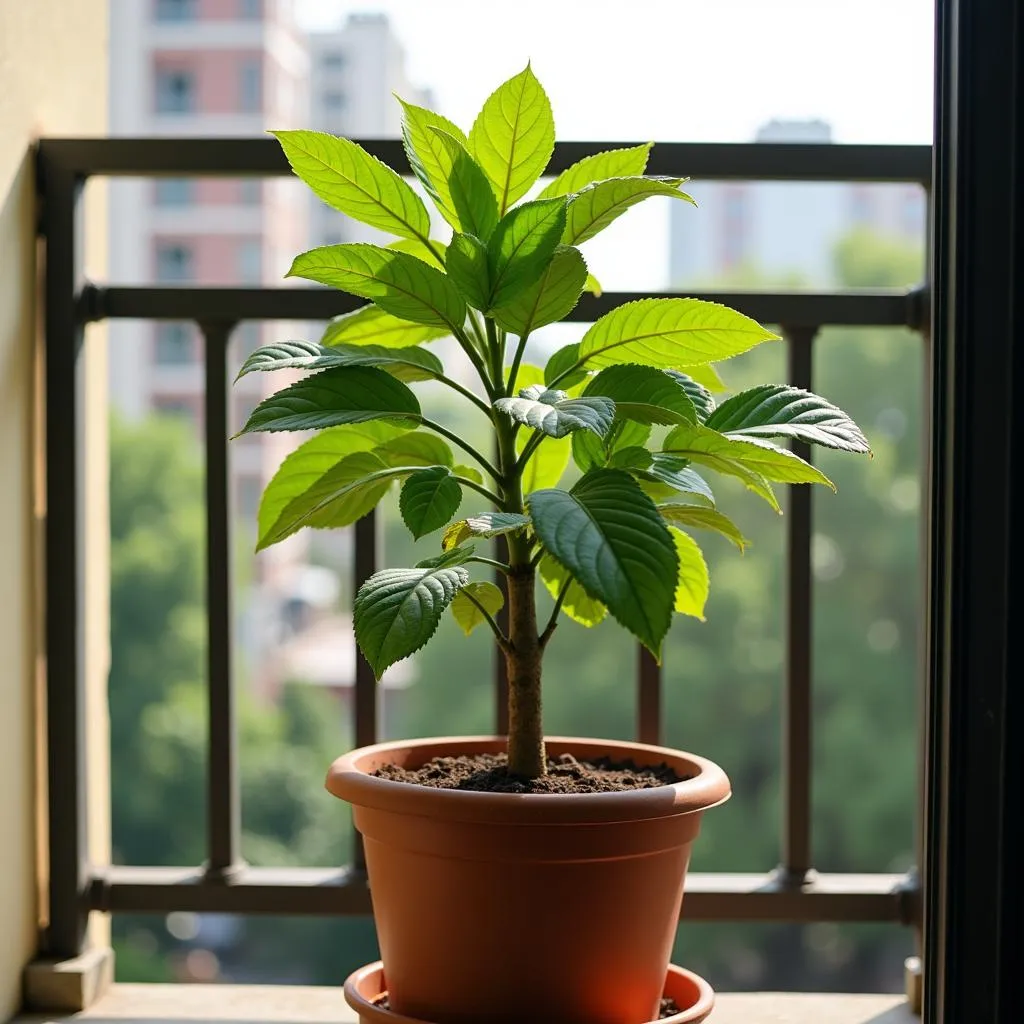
(488, 524)
(456, 556)
(670, 334)
(563, 367)
(465, 187)
(399, 283)
(555, 414)
(528, 375)
(311, 460)
(346, 177)
(522, 246)
(432, 253)
(590, 452)
(593, 286)
(408, 364)
(468, 473)
(702, 399)
(370, 325)
(467, 267)
(513, 137)
(609, 535)
(612, 163)
(577, 604)
(671, 476)
(428, 500)
(595, 207)
(397, 611)
(548, 462)
(774, 411)
(694, 582)
(415, 448)
(643, 393)
(706, 375)
(467, 614)
(704, 519)
(347, 394)
(550, 299)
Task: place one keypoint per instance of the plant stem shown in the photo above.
(475, 358)
(499, 637)
(479, 488)
(513, 373)
(490, 561)
(464, 445)
(553, 621)
(494, 349)
(528, 449)
(465, 392)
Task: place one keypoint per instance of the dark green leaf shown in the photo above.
(577, 604)
(522, 246)
(467, 613)
(488, 524)
(590, 452)
(672, 476)
(555, 414)
(429, 499)
(612, 163)
(703, 401)
(705, 519)
(560, 370)
(595, 207)
(467, 267)
(370, 325)
(644, 394)
(456, 556)
(408, 364)
(550, 299)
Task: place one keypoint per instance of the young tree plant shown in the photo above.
(630, 403)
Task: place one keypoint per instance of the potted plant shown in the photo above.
(519, 878)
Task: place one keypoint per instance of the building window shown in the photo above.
(250, 261)
(175, 191)
(334, 100)
(250, 10)
(175, 91)
(250, 192)
(332, 60)
(174, 263)
(174, 344)
(175, 10)
(250, 85)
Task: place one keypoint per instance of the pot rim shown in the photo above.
(370, 1012)
(350, 778)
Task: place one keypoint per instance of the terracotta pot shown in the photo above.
(511, 908)
(692, 994)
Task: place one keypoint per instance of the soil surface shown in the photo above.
(668, 1006)
(488, 773)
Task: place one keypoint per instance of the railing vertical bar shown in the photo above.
(364, 564)
(796, 730)
(223, 801)
(65, 517)
(648, 717)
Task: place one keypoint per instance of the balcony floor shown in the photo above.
(255, 1004)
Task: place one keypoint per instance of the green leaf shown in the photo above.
(488, 524)
(549, 299)
(704, 519)
(590, 452)
(465, 187)
(595, 207)
(644, 394)
(432, 253)
(397, 611)
(370, 325)
(467, 614)
(548, 462)
(311, 460)
(702, 399)
(672, 476)
(346, 394)
(415, 448)
(609, 535)
(670, 334)
(399, 283)
(467, 267)
(577, 604)
(555, 414)
(457, 556)
(780, 411)
(408, 364)
(428, 500)
(528, 375)
(707, 446)
(522, 246)
(560, 367)
(693, 582)
(593, 286)
(513, 137)
(346, 177)
(468, 473)
(612, 163)
(706, 375)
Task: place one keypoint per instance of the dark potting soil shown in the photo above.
(489, 773)
(668, 1006)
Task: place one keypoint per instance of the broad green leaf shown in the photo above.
(467, 614)
(704, 519)
(707, 446)
(612, 163)
(432, 253)
(702, 399)
(673, 476)
(488, 524)
(631, 458)
(467, 267)
(465, 186)
(513, 137)
(399, 283)
(643, 393)
(428, 500)
(528, 375)
(522, 246)
(468, 473)
(563, 367)
(548, 462)
(595, 207)
(311, 460)
(781, 411)
(577, 604)
(346, 177)
(408, 364)
(694, 582)
(397, 611)
(609, 535)
(456, 556)
(370, 325)
(593, 286)
(415, 448)
(346, 394)
(706, 375)
(670, 334)
(555, 414)
(549, 299)
(590, 452)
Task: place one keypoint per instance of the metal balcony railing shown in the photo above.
(794, 892)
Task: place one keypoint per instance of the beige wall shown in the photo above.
(53, 73)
